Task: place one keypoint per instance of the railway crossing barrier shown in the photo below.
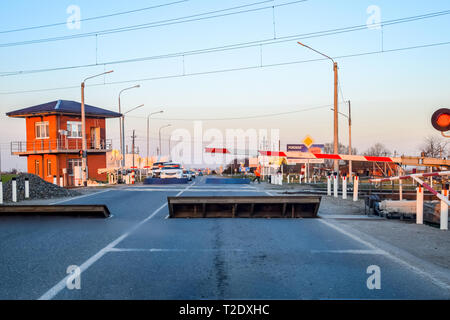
(420, 189)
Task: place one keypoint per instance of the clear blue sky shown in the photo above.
(393, 94)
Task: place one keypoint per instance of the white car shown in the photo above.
(171, 171)
(155, 171)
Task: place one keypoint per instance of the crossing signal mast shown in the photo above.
(441, 120)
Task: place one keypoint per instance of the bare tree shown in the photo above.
(434, 147)
(377, 150)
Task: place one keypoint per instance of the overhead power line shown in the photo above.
(237, 46)
(155, 24)
(269, 115)
(93, 18)
(233, 69)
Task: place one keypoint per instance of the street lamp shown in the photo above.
(148, 132)
(166, 126)
(121, 125)
(349, 117)
(83, 129)
(336, 131)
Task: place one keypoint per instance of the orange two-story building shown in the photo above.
(53, 140)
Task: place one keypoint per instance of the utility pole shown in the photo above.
(133, 147)
(350, 169)
(336, 131)
(336, 123)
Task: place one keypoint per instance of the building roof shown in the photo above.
(63, 107)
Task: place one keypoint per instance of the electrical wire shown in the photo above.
(237, 46)
(155, 24)
(94, 18)
(232, 69)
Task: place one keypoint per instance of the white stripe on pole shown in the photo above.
(1, 192)
(419, 205)
(355, 188)
(14, 190)
(444, 211)
(336, 183)
(344, 187)
(329, 185)
(27, 188)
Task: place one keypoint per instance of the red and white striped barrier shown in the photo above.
(309, 155)
(419, 202)
(411, 176)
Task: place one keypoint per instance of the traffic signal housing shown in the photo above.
(441, 120)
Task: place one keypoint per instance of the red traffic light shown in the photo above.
(441, 119)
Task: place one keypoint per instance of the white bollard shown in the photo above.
(1, 192)
(329, 185)
(344, 187)
(54, 180)
(336, 182)
(14, 189)
(355, 188)
(27, 188)
(444, 211)
(61, 182)
(419, 205)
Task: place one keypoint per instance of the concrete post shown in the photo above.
(1, 192)
(336, 186)
(329, 185)
(27, 188)
(355, 188)
(444, 211)
(344, 187)
(14, 189)
(419, 205)
(61, 182)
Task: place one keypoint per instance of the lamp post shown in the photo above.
(148, 132)
(349, 117)
(336, 131)
(121, 125)
(166, 126)
(83, 129)
(123, 130)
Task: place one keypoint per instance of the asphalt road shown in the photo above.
(140, 254)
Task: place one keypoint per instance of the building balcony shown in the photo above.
(49, 146)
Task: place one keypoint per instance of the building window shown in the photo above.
(74, 129)
(42, 130)
(36, 167)
(71, 163)
(49, 168)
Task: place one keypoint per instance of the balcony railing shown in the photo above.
(59, 145)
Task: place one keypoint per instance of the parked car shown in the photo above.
(171, 170)
(155, 171)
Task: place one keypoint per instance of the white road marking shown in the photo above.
(170, 250)
(350, 251)
(191, 190)
(387, 254)
(82, 196)
(61, 285)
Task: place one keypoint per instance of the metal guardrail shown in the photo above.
(58, 145)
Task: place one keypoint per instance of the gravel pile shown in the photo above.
(39, 189)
